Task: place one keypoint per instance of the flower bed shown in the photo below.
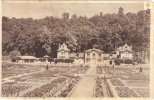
(98, 88)
(116, 82)
(12, 90)
(125, 92)
(71, 85)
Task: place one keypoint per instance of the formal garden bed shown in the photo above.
(125, 92)
(126, 82)
(98, 88)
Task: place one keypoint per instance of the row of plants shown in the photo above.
(47, 90)
(9, 69)
(63, 60)
(125, 92)
(11, 90)
(98, 88)
(116, 82)
(67, 90)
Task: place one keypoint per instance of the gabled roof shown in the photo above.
(125, 48)
(97, 50)
(63, 48)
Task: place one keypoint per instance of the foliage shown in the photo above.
(39, 37)
(14, 54)
(64, 60)
(118, 61)
(128, 61)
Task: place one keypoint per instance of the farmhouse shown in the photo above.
(124, 52)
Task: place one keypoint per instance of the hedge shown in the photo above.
(118, 61)
(128, 61)
(64, 60)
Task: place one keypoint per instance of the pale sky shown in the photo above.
(41, 10)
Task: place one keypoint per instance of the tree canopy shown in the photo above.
(39, 37)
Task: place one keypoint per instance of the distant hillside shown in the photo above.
(106, 32)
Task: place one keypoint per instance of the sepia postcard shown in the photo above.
(77, 50)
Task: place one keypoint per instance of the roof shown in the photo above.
(63, 48)
(27, 57)
(46, 56)
(97, 50)
(125, 48)
(106, 56)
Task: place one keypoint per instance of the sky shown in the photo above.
(41, 10)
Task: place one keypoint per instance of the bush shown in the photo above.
(128, 61)
(118, 61)
(64, 60)
(14, 54)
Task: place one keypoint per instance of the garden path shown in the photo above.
(86, 86)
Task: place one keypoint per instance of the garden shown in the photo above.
(57, 81)
(126, 81)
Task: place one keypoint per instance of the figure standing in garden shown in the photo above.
(140, 69)
(47, 67)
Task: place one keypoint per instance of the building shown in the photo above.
(124, 52)
(26, 59)
(63, 52)
(93, 57)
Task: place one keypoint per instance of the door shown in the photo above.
(93, 61)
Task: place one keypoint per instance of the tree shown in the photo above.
(65, 16)
(14, 54)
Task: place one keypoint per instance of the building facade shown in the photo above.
(124, 52)
(93, 57)
(63, 52)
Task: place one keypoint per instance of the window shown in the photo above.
(93, 55)
(62, 53)
(99, 55)
(88, 54)
(126, 52)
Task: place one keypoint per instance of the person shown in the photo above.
(104, 78)
(140, 69)
(47, 67)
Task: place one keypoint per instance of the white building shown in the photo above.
(124, 52)
(63, 52)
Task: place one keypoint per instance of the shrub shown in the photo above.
(14, 54)
(118, 61)
(128, 61)
(64, 60)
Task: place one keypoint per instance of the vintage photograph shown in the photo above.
(75, 50)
